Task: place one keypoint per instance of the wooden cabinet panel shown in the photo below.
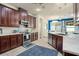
(4, 17)
(4, 43)
(10, 42)
(13, 39)
(0, 15)
(60, 43)
(34, 22)
(17, 19)
(8, 17)
(23, 14)
(34, 36)
(19, 39)
(57, 42)
(54, 41)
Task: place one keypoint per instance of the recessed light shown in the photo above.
(38, 9)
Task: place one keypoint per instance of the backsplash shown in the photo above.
(7, 30)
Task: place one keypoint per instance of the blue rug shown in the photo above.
(39, 51)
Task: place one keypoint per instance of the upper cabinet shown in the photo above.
(8, 17)
(32, 21)
(23, 14)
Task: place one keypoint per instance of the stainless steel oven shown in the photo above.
(26, 39)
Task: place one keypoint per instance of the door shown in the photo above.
(13, 39)
(4, 43)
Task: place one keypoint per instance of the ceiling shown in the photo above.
(47, 8)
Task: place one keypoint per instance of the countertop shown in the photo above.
(58, 33)
(9, 34)
(70, 43)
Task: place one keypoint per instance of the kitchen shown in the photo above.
(23, 26)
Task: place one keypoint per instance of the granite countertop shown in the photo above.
(9, 34)
(71, 43)
(57, 33)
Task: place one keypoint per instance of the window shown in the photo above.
(70, 26)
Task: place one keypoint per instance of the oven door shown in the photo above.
(26, 37)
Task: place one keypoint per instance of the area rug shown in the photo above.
(39, 51)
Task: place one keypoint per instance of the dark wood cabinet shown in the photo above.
(34, 36)
(0, 16)
(19, 39)
(4, 43)
(10, 41)
(13, 40)
(23, 14)
(4, 16)
(60, 43)
(54, 41)
(57, 41)
(8, 17)
(34, 22)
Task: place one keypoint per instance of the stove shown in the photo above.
(26, 39)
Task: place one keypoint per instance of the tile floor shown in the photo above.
(16, 51)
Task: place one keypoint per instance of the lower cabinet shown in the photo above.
(19, 39)
(60, 44)
(34, 36)
(10, 41)
(13, 40)
(4, 43)
(57, 41)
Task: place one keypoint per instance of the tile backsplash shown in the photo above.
(7, 30)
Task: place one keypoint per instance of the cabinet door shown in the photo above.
(16, 19)
(4, 43)
(23, 14)
(19, 39)
(54, 41)
(60, 43)
(4, 16)
(32, 37)
(13, 39)
(36, 36)
(34, 22)
(12, 20)
(0, 15)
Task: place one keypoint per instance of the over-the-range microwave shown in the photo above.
(24, 23)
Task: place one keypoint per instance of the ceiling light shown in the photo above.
(38, 9)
